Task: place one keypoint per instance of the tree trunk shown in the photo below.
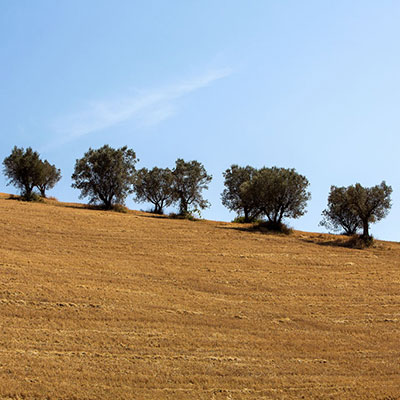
(183, 207)
(27, 195)
(161, 207)
(365, 234)
(108, 204)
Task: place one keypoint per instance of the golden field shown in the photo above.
(104, 305)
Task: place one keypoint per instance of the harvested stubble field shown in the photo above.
(103, 305)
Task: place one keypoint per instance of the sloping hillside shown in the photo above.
(102, 305)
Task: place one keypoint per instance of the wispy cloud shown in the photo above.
(147, 107)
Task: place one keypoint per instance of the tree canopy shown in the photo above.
(339, 215)
(154, 186)
(190, 178)
(235, 197)
(24, 170)
(274, 193)
(49, 176)
(355, 207)
(280, 193)
(105, 175)
(370, 204)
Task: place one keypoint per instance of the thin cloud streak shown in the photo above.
(149, 108)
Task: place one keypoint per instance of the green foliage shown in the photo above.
(339, 215)
(274, 193)
(154, 186)
(49, 176)
(23, 170)
(189, 180)
(105, 175)
(279, 193)
(234, 197)
(355, 207)
(369, 204)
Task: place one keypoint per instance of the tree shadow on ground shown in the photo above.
(14, 197)
(259, 228)
(172, 216)
(91, 207)
(36, 198)
(81, 207)
(350, 242)
(147, 214)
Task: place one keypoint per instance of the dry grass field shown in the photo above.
(104, 305)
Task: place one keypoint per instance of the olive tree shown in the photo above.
(235, 197)
(105, 175)
(339, 215)
(189, 179)
(49, 176)
(369, 204)
(23, 168)
(355, 207)
(154, 186)
(279, 193)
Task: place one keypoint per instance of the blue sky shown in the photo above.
(313, 85)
